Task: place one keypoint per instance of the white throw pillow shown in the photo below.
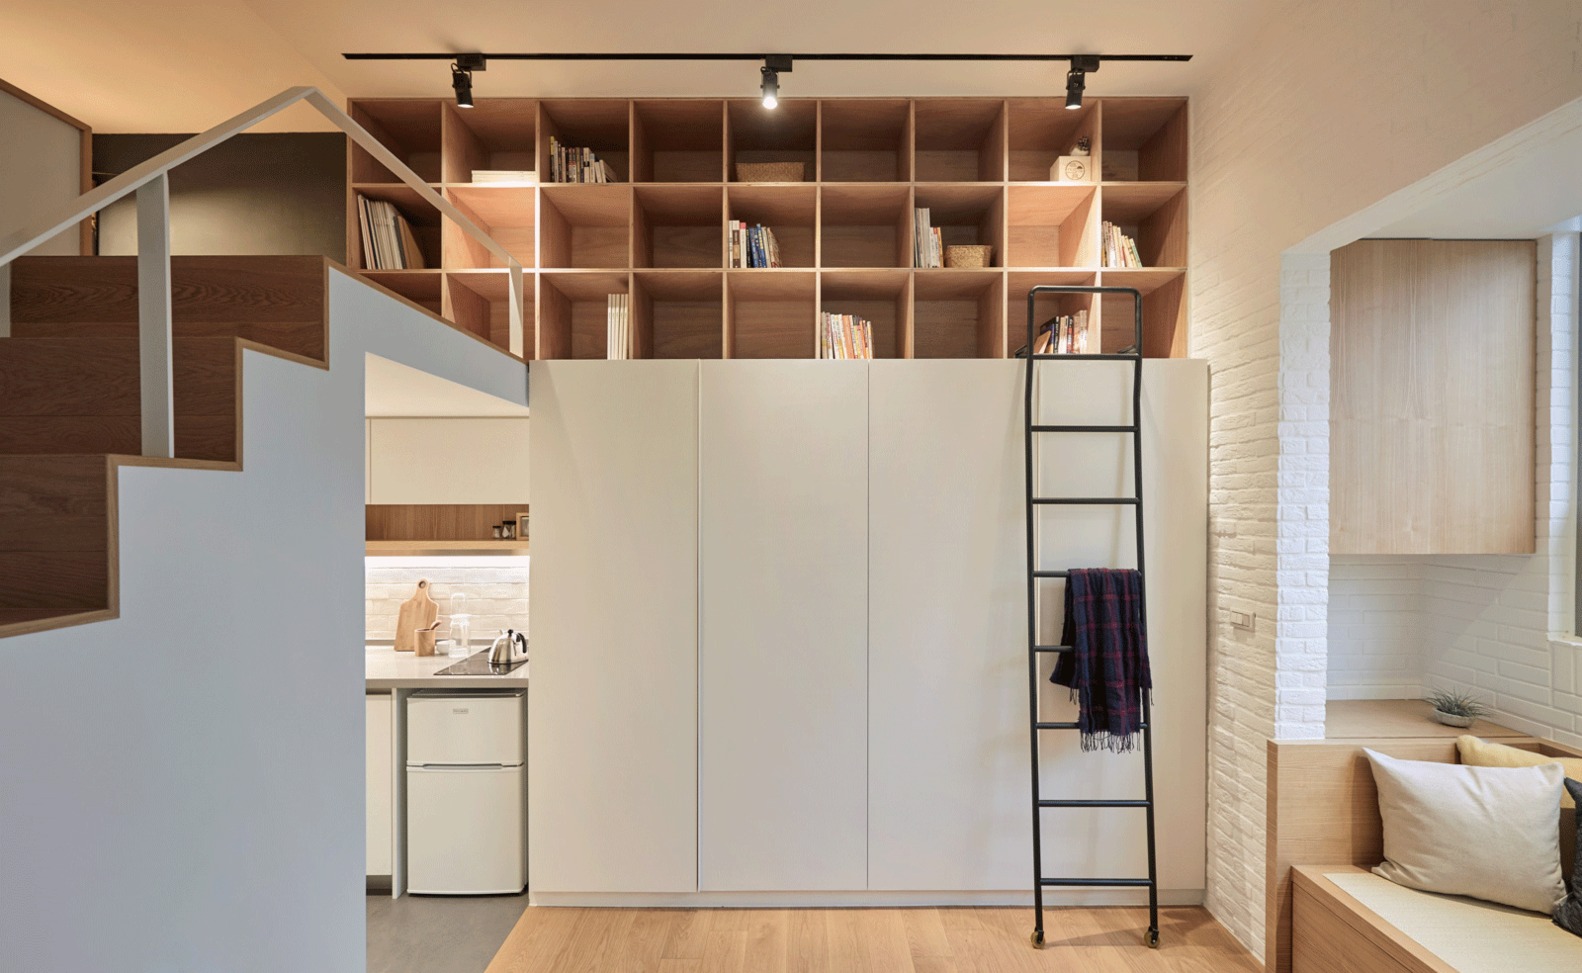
(1492, 833)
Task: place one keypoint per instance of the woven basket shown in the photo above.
(968, 257)
(771, 171)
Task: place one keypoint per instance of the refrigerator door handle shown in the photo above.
(412, 766)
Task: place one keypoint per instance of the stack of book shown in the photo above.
(618, 328)
(928, 247)
(845, 336)
(1064, 335)
(388, 243)
(753, 246)
(505, 177)
(1120, 250)
(572, 164)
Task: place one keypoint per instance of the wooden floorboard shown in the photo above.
(964, 940)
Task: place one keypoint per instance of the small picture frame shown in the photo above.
(521, 526)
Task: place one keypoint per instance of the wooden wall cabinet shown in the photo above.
(1432, 397)
(981, 166)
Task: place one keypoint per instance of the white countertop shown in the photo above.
(385, 668)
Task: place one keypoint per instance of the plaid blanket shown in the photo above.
(1107, 671)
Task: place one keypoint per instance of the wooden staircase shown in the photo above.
(70, 405)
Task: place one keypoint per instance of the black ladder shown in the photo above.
(1035, 574)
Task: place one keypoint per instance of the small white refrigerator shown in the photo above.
(466, 792)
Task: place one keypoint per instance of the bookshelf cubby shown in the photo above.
(678, 141)
(679, 314)
(865, 226)
(791, 211)
(787, 134)
(678, 226)
(981, 165)
(770, 314)
(881, 296)
(865, 140)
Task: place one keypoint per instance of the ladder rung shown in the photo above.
(1051, 574)
(1101, 883)
(1073, 726)
(1051, 648)
(1099, 803)
(1086, 357)
(1048, 428)
(1121, 501)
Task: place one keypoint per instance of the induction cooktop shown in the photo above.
(478, 664)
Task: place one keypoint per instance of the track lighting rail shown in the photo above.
(719, 56)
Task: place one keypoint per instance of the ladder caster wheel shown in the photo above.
(1038, 939)
(1152, 939)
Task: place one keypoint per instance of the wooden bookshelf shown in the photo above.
(981, 165)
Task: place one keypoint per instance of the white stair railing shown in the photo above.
(150, 182)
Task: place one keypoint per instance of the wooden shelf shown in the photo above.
(446, 548)
(980, 165)
(1385, 719)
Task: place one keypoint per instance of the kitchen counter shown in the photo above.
(385, 668)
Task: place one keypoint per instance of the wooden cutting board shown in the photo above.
(418, 611)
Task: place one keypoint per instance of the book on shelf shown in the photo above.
(1065, 334)
(505, 177)
(577, 164)
(618, 328)
(388, 240)
(845, 336)
(753, 246)
(1119, 249)
(928, 244)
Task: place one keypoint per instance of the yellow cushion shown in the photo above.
(1482, 753)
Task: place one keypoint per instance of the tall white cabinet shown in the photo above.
(612, 720)
(782, 796)
(778, 627)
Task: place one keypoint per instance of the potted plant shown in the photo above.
(1454, 708)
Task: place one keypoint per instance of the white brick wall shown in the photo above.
(1404, 87)
(496, 594)
(1375, 627)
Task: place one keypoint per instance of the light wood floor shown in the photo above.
(863, 941)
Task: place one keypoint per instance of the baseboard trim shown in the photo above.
(1073, 898)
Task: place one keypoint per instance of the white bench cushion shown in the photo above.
(1470, 935)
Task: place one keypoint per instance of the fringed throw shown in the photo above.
(1107, 669)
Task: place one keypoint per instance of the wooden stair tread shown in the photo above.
(71, 415)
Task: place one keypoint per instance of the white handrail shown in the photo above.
(149, 181)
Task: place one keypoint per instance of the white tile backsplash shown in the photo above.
(496, 595)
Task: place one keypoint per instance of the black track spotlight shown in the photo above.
(1076, 79)
(461, 76)
(773, 65)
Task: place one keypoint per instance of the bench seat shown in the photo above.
(1348, 920)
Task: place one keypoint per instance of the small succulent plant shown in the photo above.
(1455, 703)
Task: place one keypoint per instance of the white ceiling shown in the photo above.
(393, 389)
(182, 65)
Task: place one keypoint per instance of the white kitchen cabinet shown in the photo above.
(379, 764)
(948, 774)
(613, 719)
(448, 460)
(782, 799)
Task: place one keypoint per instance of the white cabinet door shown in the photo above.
(612, 742)
(947, 764)
(783, 718)
(452, 461)
(948, 727)
(379, 769)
